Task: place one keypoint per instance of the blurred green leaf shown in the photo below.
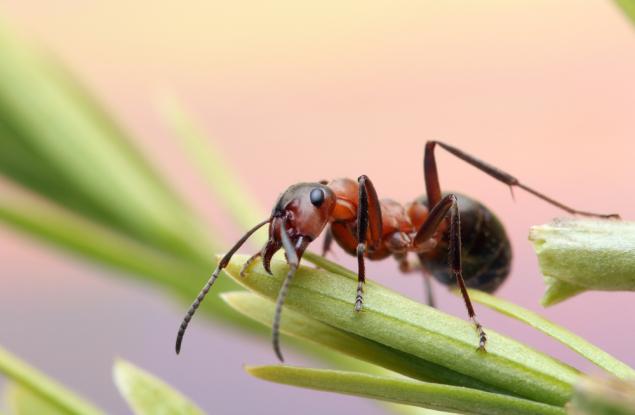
(76, 234)
(404, 391)
(576, 255)
(597, 396)
(412, 328)
(67, 149)
(299, 325)
(82, 237)
(628, 7)
(48, 390)
(148, 395)
(574, 342)
(98, 196)
(24, 402)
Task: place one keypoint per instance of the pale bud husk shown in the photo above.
(577, 255)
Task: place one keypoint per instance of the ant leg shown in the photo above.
(368, 224)
(427, 286)
(201, 295)
(427, 230)
(293, 254)
(406, 266)
(328, 241)
(249, 264)
(433, 189)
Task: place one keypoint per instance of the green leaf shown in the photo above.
(81, 236)
(148, 395)
(595, 396)
(574, 342)
(68, 149)
(405, 325)
(299, 325)
(22, 401)
(628, 7)
(50, 392)
(92, 241)
(404, 391)
(576, 255)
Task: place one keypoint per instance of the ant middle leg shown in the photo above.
(406, 266)
(433, 189)
(427, 287)
(328, 241)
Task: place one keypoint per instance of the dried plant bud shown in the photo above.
(577, 255)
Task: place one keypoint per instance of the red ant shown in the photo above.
(367, 227)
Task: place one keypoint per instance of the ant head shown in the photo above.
(305, 209)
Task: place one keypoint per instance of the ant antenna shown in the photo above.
(201, 295)
(293, 261)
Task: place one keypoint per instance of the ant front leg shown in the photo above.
(249, 264)
(427, 230)
(369, 225)
(433, 189)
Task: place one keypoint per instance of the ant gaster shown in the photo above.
(366, 227)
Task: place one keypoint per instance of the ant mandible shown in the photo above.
(367, 227)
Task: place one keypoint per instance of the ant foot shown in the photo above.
(359, 300)
(481, 334)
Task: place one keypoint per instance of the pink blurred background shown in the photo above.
(298, 91)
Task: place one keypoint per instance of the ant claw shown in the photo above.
(243, 271)
(358, 306)
(248, 265)
(482, 342)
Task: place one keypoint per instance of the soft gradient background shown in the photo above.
(295, 91)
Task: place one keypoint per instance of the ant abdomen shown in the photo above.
(486, 251)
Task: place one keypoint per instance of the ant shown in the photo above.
(367, 227)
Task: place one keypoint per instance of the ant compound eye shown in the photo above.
(317, 197)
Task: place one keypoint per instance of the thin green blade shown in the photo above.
(299, 325)
(402, 324)
(574, 342)
(404, 391)
(148, 395)
(47, 389)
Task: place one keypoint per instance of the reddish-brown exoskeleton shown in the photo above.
(366, 227)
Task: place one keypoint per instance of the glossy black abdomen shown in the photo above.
(486, 251)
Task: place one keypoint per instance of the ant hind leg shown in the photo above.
(437, 215)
